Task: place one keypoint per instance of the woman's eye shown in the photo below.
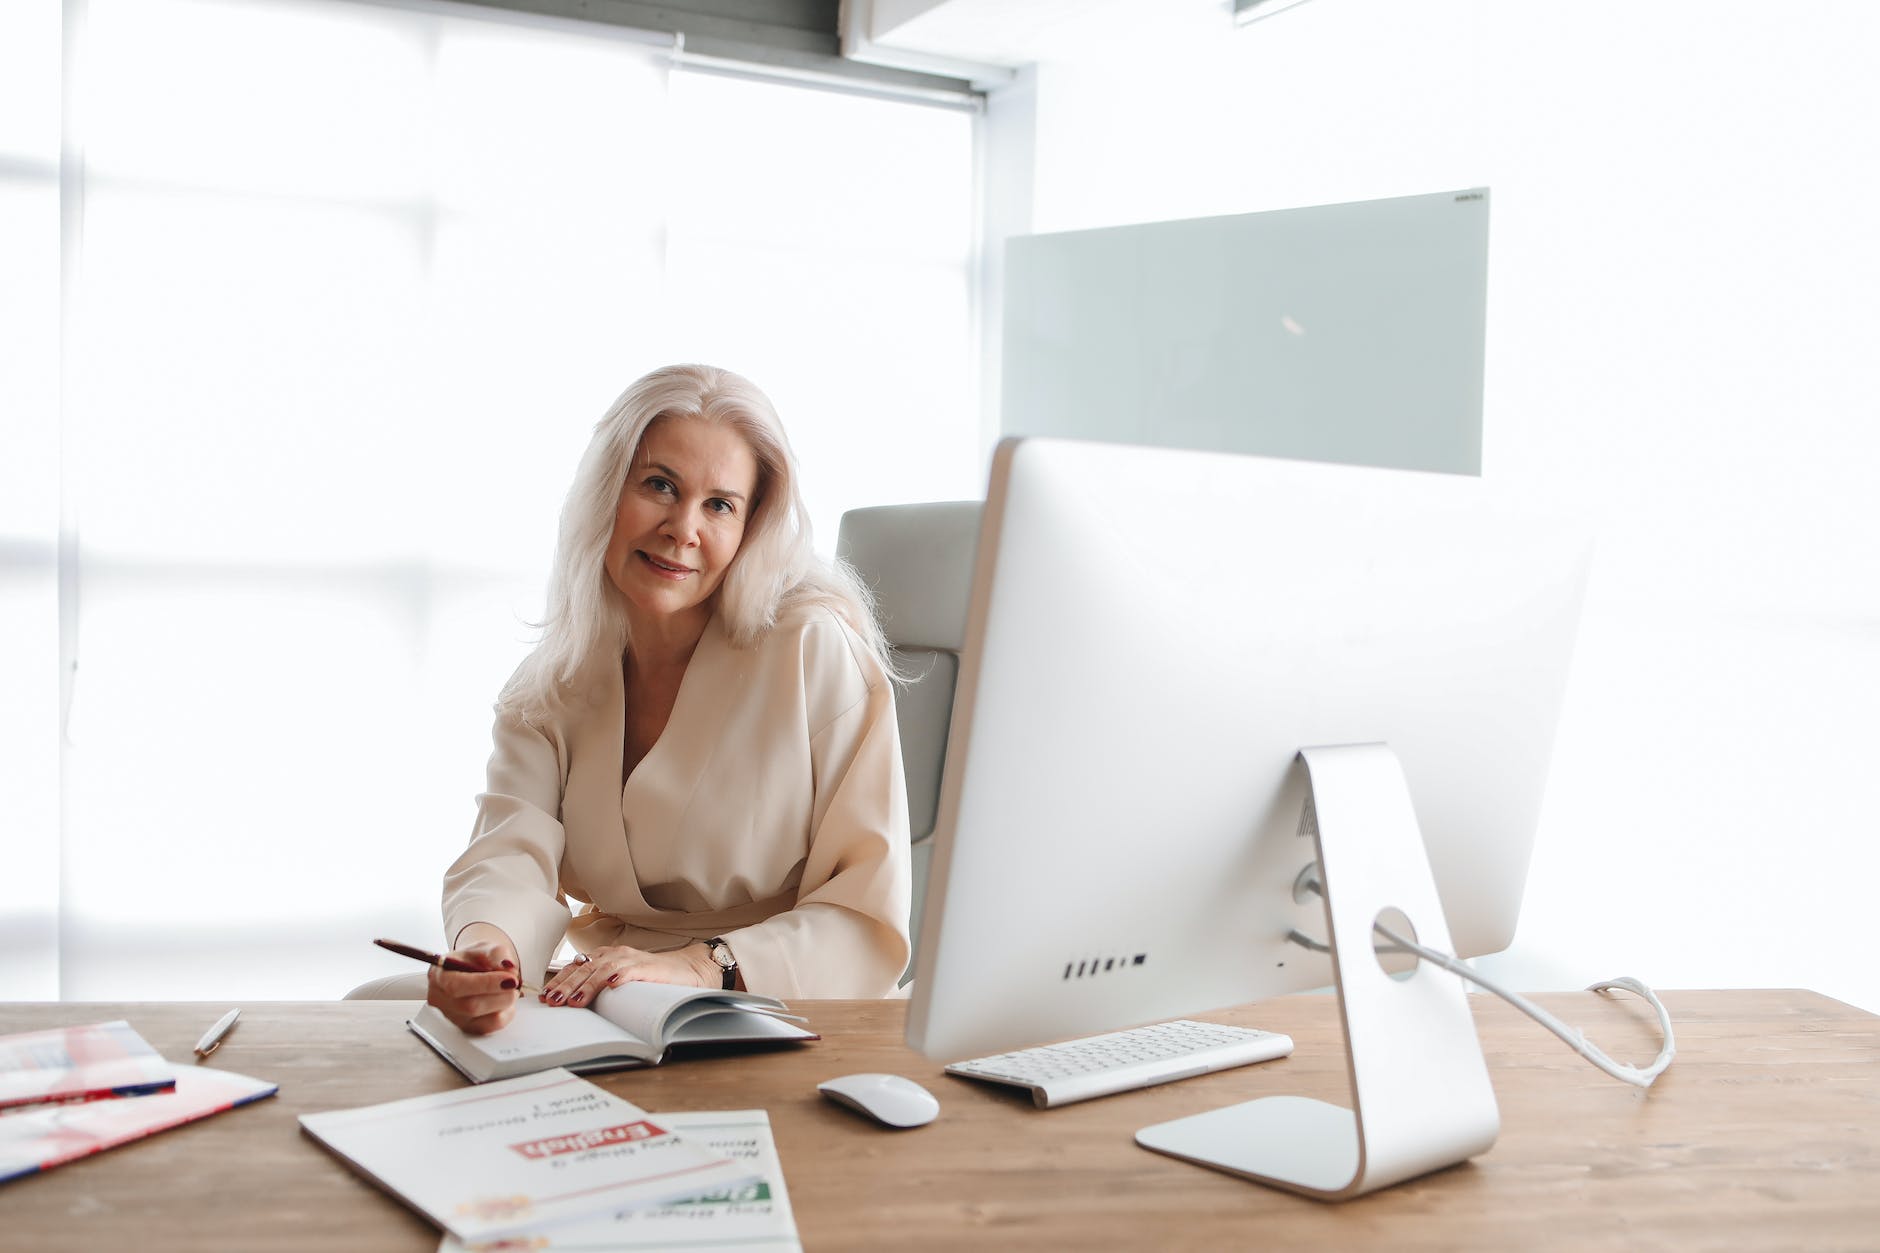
(718, 504)
(661, 485)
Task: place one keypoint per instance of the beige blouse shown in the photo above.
(771, 811)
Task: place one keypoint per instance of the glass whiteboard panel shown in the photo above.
(1349, 333)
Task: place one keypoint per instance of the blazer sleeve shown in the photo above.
(847, 936)
(509, 874)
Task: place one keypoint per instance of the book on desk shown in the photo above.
(634, 1024)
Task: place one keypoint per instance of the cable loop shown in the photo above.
(1573, 1036)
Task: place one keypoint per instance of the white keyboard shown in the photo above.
(1101, 1065)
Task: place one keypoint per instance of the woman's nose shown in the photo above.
(682, 524)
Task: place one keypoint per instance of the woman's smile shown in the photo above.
(666, 569)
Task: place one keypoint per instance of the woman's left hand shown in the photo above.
(583, 979)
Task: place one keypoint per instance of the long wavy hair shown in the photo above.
(775, 572)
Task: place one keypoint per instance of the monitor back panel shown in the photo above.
(1153, 636)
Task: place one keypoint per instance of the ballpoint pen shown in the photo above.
(442, 962)
(212, 1038)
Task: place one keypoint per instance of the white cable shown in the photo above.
(1572, 1035)
(1309, 882)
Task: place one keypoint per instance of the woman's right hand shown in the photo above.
(483, 1001)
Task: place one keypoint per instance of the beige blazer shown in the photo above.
(771, 811)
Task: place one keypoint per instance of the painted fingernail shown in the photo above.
(509, 985)
(508, 965)
(614, 977)
(576, 998)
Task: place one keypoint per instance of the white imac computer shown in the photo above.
(1193, 682)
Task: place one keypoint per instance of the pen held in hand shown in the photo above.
(442, 962)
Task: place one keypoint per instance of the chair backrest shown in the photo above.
(918, 561)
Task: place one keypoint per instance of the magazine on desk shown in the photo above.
(521, 1156)
(43, 1136)
(630, 1025)
(97, 1061)
(751, 1217)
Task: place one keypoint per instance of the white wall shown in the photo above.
(1681, 334)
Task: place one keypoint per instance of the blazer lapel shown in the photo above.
(591, 803)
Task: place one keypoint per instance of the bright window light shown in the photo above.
(355, 283)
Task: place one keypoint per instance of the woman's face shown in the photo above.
(681, 517)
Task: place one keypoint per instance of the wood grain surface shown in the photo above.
(1765, 1134)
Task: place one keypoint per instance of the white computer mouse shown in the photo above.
(888, 1099)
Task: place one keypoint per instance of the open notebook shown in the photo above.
(630, 1025)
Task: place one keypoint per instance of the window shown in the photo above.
(345, 286)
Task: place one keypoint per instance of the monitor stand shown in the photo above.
(1420, 1093)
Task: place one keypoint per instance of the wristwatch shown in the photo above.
(721, 953)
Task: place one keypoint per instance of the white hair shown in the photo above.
(775, 571)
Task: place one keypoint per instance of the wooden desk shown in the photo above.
(1764, 1134)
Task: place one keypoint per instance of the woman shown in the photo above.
(701, 752)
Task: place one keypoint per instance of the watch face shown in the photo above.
(721, 953)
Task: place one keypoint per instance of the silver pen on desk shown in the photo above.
(212, 1038)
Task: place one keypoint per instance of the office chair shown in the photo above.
(918, 561)
(408, 986)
